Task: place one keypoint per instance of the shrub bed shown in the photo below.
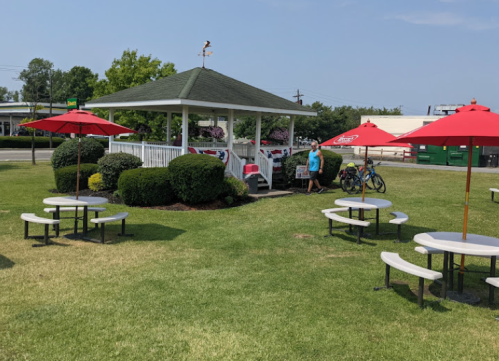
(112, 165)
(25, 142)
(67, 153)
(235, 188)
(65, 178)
(332, 164)
(145, 187)
(197, 178)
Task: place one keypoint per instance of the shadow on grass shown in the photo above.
(7, 166)
(349, 237)
(141, 232)
(403, 290)
(5, 262)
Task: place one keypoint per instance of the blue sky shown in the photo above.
(384, 53)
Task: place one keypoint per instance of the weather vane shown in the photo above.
(204, 52)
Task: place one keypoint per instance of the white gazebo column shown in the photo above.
(215, 123)
(185, 129)
(230, 129)
(10, 118)
(111, 137)
(291, 131)
(168, 127)
(258, 136)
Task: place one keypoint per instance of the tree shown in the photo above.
(129, 71)
(332, 122)
(3, 93)
(80, 83)
(36, 82)
(246, 126)
(32, 131)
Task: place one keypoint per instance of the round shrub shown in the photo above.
(234, 188)
(67, 153)
(65, 178)
(197, 178)
(145, 187)
(332, 164)
(95, 182)
(112, 165)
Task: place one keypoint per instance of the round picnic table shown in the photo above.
(368, 203)
(71, 201)
(453, 242)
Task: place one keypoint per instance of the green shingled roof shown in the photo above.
(204, 85)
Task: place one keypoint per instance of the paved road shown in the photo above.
(16, 155)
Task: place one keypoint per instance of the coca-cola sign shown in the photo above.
(346, 139)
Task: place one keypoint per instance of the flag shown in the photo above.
(223, 155)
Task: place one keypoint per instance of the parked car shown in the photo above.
(96, 136)
(20, 133)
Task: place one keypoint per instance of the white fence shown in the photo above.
(158, 154)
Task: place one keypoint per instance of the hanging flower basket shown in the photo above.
(212, 132)
(279, 134)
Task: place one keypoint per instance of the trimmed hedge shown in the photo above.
(112, 165)
(67, 153)
(332, 164)
(65, 178)
(197, 178)
(234, 188)
(145, 187)
(25, 142)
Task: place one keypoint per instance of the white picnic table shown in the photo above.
(71, 201)
(453, 242)
(368, 203)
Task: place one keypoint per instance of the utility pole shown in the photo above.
(297, 96)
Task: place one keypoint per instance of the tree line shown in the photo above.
(44, 84)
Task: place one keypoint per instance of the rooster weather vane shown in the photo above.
(204, 52)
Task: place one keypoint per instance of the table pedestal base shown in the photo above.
(464, 297)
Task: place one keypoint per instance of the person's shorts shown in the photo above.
(314, 175)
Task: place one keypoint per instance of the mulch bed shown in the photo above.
(180, 206)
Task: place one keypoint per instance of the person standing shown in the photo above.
(315, 163)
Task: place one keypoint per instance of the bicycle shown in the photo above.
(353, 178)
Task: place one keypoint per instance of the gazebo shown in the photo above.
(200, 91)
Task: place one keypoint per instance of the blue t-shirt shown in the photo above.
(314, 161)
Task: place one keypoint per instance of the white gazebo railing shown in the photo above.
(265, 167)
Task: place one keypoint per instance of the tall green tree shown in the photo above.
(3, 93)
(36, 80)
(127, 72)
(246, 126)
(80, 83)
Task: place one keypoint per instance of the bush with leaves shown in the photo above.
(197, 178)
(66, 177)
(67, 153)
(25, 142)
(112, 165)
(145, 187)
(332, 164)
(234, 188)
(95, 182)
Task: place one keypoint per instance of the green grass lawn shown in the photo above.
(258, 282)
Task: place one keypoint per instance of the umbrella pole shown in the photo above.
(364, 178)
(78, 180)
(465, 223)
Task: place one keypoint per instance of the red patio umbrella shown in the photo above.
(365, 135)
(471, 125)
(78, 122)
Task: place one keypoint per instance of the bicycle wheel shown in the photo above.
(378, 183)
(351, 185)
(361, 176)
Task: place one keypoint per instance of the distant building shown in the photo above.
(11, 114)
